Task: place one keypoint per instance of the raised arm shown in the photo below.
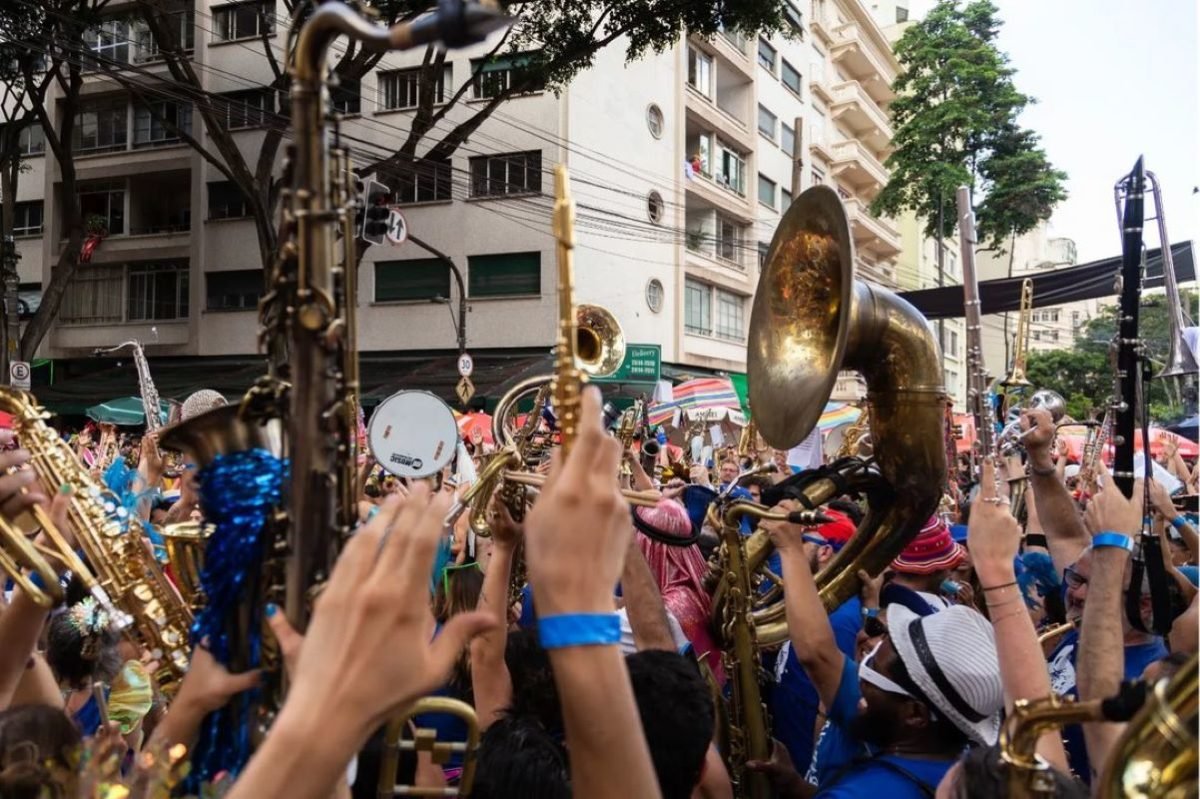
(1100, 661)
(994, 536)
(490, 680)
(1165, 508)
(644, 603)
(808, 624)
(1065, 533)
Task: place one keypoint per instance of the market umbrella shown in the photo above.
(126, 411)
(468, 423)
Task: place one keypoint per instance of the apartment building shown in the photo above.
(681, 164)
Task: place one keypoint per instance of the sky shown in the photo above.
(1113, 79)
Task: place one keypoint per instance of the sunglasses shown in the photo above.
(874, 627)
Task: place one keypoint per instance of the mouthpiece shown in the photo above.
(808, 517)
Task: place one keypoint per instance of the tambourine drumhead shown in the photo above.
(413, 434)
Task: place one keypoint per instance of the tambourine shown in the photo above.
(413, 434)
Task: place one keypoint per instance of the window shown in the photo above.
(950, 343)
(108, 42)
(27, 218)
(226, 201)
(104, 205)
(700, 71)
(766, 191)
(785, 199)
(146, 47)
(654, 294)
(818, 177)
(31, 140)
(504, 73)
(731, 169)
(1075, 319)
(766, 123)
(791, 77)
(247, 109)
(729, 240)
(901, 14)
(233, 291)
(401, 89)
(766, 56)
(704, 147)
(697, 307)
(158, 291)
(654, 207)
(346, 97)
(731, 309)
(787, 139)
(1037, 335)
(763, 248)
(1054, 335)
(159, 123)
(509, 173)
(793, 16)
(422, 182)
(101, 125)
(94, 295)
(508, 275)
(420, 279)
(654, 120)
(243, 21)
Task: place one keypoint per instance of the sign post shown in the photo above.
(18, 375)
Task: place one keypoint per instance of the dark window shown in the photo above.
(500, 74)
(766, 56)
(31, 140)
(248, 109)
(27, 218)
(766, 191)
(108, 42)
(508, 275)
(103, 205)
(422, 182)
(791, 77)
(233, 291)
(94, 295)
(787, 139)
(697, 307)
(242, 21)
(101, 125)
(507, 173)
(763, 248)
(158, 291)
(901, 14)
(226, 201)
(793, 16)
(420, 279)
(785, 199)
(160, 123)
(766, 123)
(182, 26)
(347, 97)
(401, 88)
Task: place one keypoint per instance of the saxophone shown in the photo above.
(150, 402)
(124, 576)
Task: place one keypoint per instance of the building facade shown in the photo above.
(681, 165)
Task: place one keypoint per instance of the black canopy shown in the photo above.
(1089, 281)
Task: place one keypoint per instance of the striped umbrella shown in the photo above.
(702, 396)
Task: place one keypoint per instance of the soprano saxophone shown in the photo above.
(150, 401)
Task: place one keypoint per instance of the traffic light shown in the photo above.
(376, 211)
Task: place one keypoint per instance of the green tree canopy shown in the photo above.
(955, 122)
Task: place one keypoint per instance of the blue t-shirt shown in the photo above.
(794, 700)
(1062, 681)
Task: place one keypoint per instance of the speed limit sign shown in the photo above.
(466, 364)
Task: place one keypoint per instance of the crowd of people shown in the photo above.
(601, 673)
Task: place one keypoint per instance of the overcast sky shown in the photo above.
(1113, 79)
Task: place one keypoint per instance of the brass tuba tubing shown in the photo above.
(425, 740)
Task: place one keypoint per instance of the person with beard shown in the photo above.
(929, 687)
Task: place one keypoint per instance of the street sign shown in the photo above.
(465, 390)
(18, 375)
(466, 364)
(397, 232)
(642, 364)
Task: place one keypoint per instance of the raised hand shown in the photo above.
(993, 535)
(1042, 423)
(1111, 510)
(18, 486)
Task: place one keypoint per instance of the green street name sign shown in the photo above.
(642, 364)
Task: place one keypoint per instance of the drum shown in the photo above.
(413, 434)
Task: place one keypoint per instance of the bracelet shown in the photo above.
(870, 613)
(998, 587)
(1111, 539)
(579, 629)
(1179, 522)
(1037, 540)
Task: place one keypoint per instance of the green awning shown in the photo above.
(126, 411)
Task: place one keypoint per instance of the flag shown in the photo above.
(742, 386)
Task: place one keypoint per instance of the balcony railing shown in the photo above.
(856, 165)
(852, 102)
(859, 58)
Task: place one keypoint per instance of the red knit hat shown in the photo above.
(838, 531)
(931, 551)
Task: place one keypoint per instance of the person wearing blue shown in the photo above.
(928, 688)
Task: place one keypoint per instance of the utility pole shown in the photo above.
(12, 312)
(461, 327)
(797, 156)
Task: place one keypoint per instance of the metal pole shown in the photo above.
(12, 311)
(462, 291)
(797, 156)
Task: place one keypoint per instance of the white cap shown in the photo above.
(1071, 471)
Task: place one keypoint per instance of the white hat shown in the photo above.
(200, 402)
(951, 657)
(1071, 471)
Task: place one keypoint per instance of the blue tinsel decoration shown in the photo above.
(237, 493)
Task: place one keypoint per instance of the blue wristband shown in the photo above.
(1179, 522)
(1110, 539)
(579, 629)
(870, 613)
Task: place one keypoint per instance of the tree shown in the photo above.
(1084, 373)
(955, 122)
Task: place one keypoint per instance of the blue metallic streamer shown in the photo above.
(238, 491)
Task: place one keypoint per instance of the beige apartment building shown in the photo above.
(681, 164)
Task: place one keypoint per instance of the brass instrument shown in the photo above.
(1016, 374)
(1156, 756)
(150, 401)
(856, 438)
(810, 319)
(123, 575)
(1093, 451)
(1056, 632)
(184, 543)
(1029, 776)
(425, 740)
(978, 394)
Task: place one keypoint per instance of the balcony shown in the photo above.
(874, 67)
(852, 106)
(872, 235)
(854, 165)
(717, 241)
